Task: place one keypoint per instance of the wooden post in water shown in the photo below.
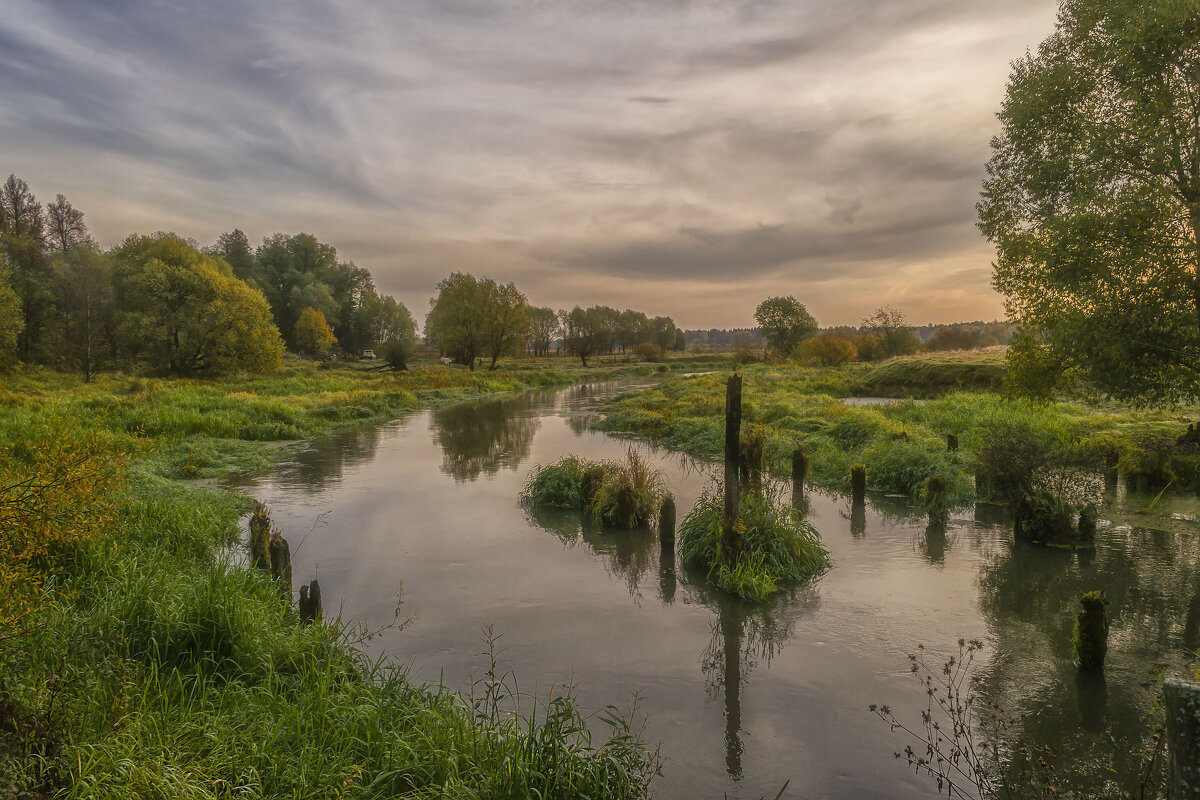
(1182, 699)
(1090, 641)
(801, 466)
(666, 522)
(281, 562)
(310, 602)
(260, 537)
(858, 483)
(730, 540)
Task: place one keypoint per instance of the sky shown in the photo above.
(679, 157)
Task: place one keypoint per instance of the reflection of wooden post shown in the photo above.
(800, 469)
(731, 642)
(730, 544)
(1182, 699)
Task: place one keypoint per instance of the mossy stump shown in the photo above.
(260, 537)
(858, 482)
(937, 500)
(801, 468)
(281, 562)
(627, 508)
(310, 602)
(1090, 639)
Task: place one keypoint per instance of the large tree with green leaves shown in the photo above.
(1093, 200)
(185, 312)
(784, 322)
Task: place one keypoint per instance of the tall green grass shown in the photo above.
(628, 495)
(162, 670)
(780, 546)
(903, 444)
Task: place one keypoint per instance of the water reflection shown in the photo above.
(1029, 598)
(320, 463)
(484, 436)
(627, 554)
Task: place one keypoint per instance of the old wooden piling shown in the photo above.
(1182, 700)
(1090, 640)
(310, 602)
(858, 482)
(260, 537)
(666, 521)
(730, 538)
(281, 562)
(801, 467)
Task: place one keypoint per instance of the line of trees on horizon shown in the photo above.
(168, 304)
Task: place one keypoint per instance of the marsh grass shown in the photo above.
(903, 444)
(628, 495)
(159, 670)
(780, 547)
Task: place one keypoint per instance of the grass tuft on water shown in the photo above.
(624, 494)
(779, 546)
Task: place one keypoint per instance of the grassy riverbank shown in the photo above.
(901, 443)
(138, 661)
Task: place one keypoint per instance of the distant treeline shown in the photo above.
(952, 336)
(165, 303)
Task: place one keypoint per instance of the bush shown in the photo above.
(780, 547)
(624, 494)
(827, 350)
(648, 351)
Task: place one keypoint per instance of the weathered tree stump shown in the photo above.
(260, 537)
(731, 544)
(666, 521)
(801, 467)
(627, 510)
(1182, 699)
(310, 602)
(1090, 640)
(281, 562)
(937, 501)
(858, 482)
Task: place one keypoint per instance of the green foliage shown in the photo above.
(933, 375)
(827, 350)
(12, 321)
(186, 313)
(472, 317)
(1092, 195)
(397, 352)
(313, 334)
(785, 323)
(624, 494)
(893, 336)
(780, 547)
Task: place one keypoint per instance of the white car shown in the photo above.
(368, 354)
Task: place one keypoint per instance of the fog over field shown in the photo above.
(688, 157)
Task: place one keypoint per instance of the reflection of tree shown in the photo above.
(744, 635)
(322, 461)
(1097, 729)
(627, 554)
(485, 436)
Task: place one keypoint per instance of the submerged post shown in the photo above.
(730, 544)
(310, 602)
(666, 522)
(1090, 640)
(801, 466)
(858, 482)
(1182, 699)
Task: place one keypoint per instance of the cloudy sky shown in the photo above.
(682, 157)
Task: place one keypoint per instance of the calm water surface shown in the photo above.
(742, 698)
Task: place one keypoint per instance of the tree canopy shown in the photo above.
(1093, 200)
(785, 323)
(313, 334)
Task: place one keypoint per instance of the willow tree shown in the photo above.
(1093, 201)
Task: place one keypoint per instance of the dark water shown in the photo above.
(742, 698)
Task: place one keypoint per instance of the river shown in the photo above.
(741, 698)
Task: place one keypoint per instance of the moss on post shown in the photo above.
(858, 482)
(260, 537)
(937, 500)
(281, 562)
(1090, 639)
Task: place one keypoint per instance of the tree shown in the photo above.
(785, 323)
(313, 334)
(64, 227)
(895, 337)
(1093, 199)
(506, 319)
(472, 317)
(22, 234)
(379, 319)
(947, 338)
(185, 312)
(83, 288)
(544, 327)
(829, 349)
(586, 331)
(12, 321)
(234, 248)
